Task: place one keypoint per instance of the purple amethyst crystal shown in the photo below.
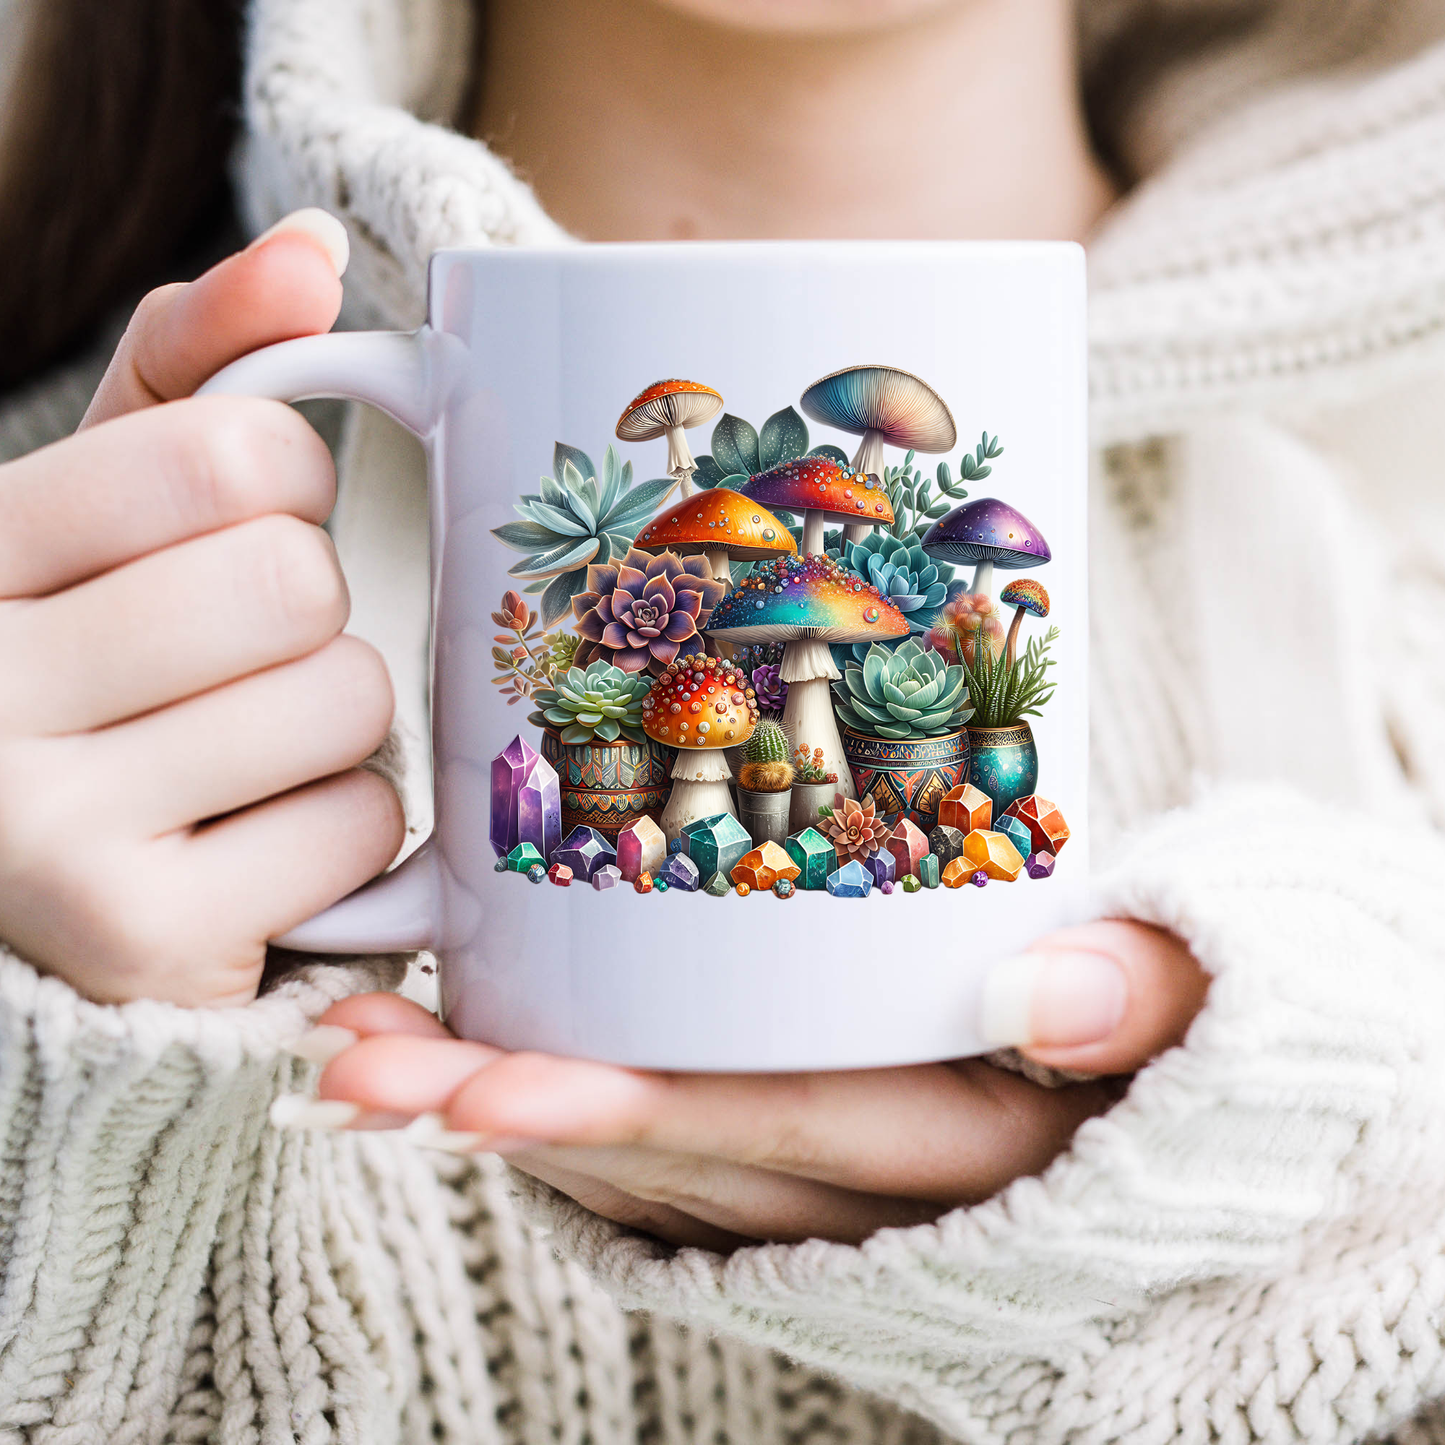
(526, 800)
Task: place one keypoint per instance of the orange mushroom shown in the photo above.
(721, 524)
(700, 706)
(670, 408)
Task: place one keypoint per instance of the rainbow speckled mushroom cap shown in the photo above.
(811, 596)
(1028, 594)
(987, 530)
(718, 517)
(821, 484)
(903, 409)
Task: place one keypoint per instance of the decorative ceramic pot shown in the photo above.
(1005, 763)
(609, 785)
(765, 815)
(908, 776)
(808, 799)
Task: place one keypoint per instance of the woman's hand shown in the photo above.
(717, 1160)
(180, 715)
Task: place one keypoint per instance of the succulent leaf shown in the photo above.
(784, 437)
(735, 445)
(903, 692)
(564, 456)
(599, 703)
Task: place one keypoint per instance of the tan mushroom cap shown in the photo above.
(666, 404)
(700, 702)
(718, 518)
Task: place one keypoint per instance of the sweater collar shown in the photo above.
(1272, 142)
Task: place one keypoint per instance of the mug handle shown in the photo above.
(408, 375)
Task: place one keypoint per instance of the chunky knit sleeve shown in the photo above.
(1247, 1247)
(124, 1135)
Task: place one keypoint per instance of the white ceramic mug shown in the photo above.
(527, 349)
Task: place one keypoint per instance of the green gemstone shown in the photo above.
(662, 885)
(523, 857)
(718, 886)
(928, 870)
(815, 856)
(716, 844)
(910, 883)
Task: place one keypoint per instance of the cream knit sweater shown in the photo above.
(1250, 1246)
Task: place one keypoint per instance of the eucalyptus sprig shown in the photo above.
(1003, 692)
(912, 494)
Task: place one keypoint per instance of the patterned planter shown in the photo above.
(609, 785)
(1005, 763)
(908, 777)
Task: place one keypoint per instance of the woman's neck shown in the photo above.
(634, 121)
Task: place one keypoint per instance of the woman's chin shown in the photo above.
(810, 17)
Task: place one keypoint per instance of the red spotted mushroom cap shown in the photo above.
(718, 517)
(667, 404)
(700, 702)
(821, 484)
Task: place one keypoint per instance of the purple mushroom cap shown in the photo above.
(987, 530)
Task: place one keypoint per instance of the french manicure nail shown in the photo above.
(430, 1131)
(323, 1043)
(1056, 1000)
(301, 1111)
(321, 226)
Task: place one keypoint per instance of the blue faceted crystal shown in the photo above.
(852, 880)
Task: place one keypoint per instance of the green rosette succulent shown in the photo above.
(596, 704)
(576, 520)
(902, 692)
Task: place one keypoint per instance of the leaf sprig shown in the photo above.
(1005, 693)
(912, 495)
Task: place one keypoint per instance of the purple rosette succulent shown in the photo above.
(637, 613)
(768, 683)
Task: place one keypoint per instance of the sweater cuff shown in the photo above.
(1250, 1180)
(122, 1132)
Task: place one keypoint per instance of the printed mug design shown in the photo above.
(764, 670)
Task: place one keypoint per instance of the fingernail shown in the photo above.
(430, 1131)
(378, 1119)
(321, 226)
(301, 1111)
(323, 1043)
(1057, 1000)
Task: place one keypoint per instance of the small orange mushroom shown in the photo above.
(670, 408)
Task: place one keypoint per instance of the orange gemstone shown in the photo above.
(965, 808)
(994, 854)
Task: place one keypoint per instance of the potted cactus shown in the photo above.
(814, 788)
(765, 783)
(611, 772)
(904, 712)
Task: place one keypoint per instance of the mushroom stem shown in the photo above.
(719, 564)
(680, 463)
(983, 577)
(1013, 633)
(808, 713)
(812, 532)
(699, 789)
(869, 458)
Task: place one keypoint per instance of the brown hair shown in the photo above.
(121, 120)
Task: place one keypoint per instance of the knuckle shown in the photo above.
(238, 457)
(293, 572)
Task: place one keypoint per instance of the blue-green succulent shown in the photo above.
(902, 692)
(900, 569)
(576, 520)
(598, 703)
